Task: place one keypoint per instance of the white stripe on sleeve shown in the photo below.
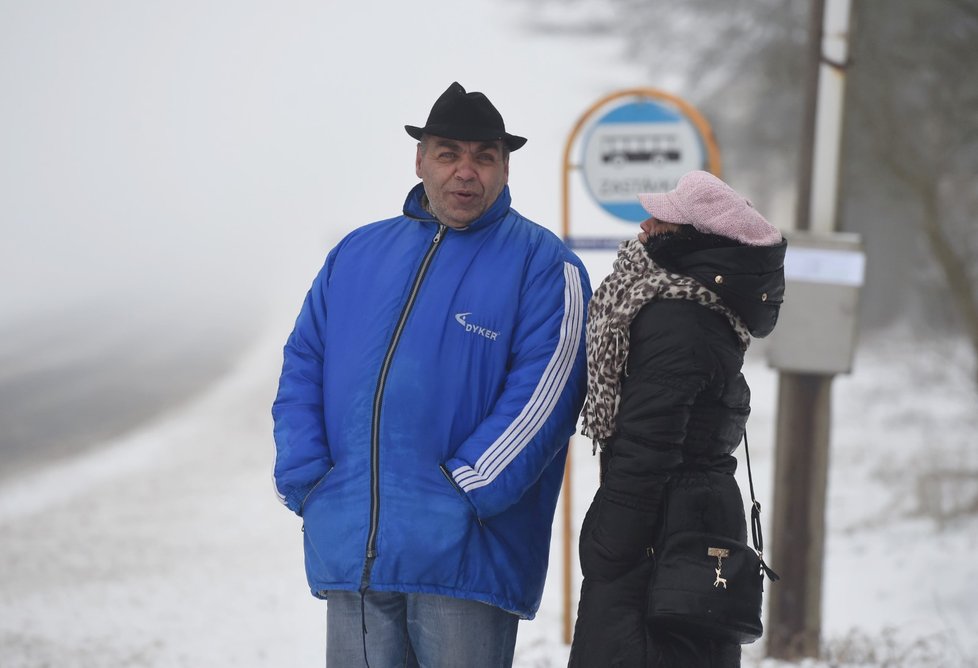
(541, 404)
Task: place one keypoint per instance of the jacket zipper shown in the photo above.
(378, 397)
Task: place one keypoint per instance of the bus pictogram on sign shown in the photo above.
(642, 148)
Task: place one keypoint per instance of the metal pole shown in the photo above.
(567, 546)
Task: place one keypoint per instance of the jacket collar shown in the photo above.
(414, 208)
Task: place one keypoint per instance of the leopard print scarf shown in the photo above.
(635, 280)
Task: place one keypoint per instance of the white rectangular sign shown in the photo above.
(820, 265)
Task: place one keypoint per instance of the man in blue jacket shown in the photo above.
(428, 392)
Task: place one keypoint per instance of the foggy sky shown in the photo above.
(202, 157)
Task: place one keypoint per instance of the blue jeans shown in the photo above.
(416, 631)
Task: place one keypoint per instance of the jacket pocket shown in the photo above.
(461, 493)
(614, 539)
(313, 489)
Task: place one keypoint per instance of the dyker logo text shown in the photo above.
(475, 329)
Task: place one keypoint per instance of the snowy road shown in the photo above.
(164, 548)
(69, 382)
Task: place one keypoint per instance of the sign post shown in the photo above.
(633, 141)
(814, 341)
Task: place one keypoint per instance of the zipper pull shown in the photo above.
(441, 230)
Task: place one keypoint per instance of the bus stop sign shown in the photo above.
(637, 147)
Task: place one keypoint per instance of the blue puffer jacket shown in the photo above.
(428, 393)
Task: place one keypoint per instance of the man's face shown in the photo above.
(461, 178)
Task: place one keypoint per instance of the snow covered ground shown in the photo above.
(168, 547)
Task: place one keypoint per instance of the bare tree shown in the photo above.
(914, 111)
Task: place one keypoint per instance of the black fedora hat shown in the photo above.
(467, 117)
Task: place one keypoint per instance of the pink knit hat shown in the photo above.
(711, 206)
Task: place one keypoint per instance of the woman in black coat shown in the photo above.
(667, 404)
